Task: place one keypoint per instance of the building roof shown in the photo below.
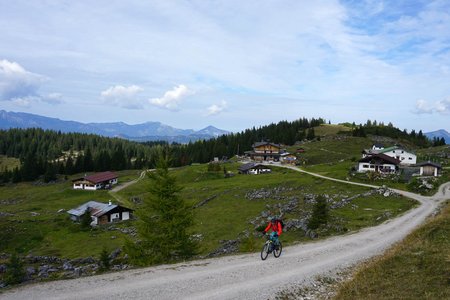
(382, 157)
(429, 163)
(384, 150)
(258, 144)
(97, 209)
(388, 149)
(249, 166)
(101, 177)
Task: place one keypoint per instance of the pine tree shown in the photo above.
(319, 214)
(163, 222)
(14, 270)
(104, 260)
(86, 220)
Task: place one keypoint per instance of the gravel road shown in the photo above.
(241, 276)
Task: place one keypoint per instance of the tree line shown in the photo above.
(374, 128)
(46, 153)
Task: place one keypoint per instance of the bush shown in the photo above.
(14, 272)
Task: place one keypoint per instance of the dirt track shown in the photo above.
(240, 276)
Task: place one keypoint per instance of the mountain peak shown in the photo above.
(148, 131)
(440, 133)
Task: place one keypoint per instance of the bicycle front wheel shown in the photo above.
(265, 251)
(278, 249)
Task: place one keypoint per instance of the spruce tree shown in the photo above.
(319, 214)
(14, 270)
(163, 222)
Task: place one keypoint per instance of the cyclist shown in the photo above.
(275, 226)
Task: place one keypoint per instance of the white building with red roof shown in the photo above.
(97, 181)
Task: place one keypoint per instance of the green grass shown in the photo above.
(225, 217)
(333, 150)
(371, 211)
(417, 268)
(35, 226)
(439, 154)
(228, 214)
(330, 129)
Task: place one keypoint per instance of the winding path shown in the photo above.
(242, 276)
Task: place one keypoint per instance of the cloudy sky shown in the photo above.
(231, 64)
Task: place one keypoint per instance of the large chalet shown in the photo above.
(405, 157)
(97, 181)
(265, 151)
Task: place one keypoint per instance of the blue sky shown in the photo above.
(231, 64)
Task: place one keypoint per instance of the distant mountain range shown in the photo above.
(149, 131)
(441, 133)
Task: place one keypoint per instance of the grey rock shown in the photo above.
(67, 266)
(77, 272)
(115, 253)
(3, 268)
(30, 271)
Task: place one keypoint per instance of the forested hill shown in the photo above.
(47, 153)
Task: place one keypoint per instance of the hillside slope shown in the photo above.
(244, 276)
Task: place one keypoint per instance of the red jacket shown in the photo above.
(275, 227)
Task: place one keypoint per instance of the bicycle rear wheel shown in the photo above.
(277, 251)
(265, 251)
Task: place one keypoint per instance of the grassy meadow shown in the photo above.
(417, 268)
(228, 213)
(32, 220)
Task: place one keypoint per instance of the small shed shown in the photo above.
(288, 158)
(429, 169)
(254, 169)
(101, 213)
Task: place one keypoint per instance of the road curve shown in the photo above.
(240, 276)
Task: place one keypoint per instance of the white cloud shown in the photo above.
(53, 98)
(172, 98)
(441, 107)
(18, 83)
(423, 107)
(123, 96)
(216, 108)
(23, 102)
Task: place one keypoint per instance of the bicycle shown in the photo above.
(270, 247)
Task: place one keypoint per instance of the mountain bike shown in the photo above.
(270, 247)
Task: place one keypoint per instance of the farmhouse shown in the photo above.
(101, 213)
(405, 157)
(265, 151)
(429, 169)
(252, 168)
(379, 163)
(96, 181)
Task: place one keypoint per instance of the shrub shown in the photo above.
(14, 272)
